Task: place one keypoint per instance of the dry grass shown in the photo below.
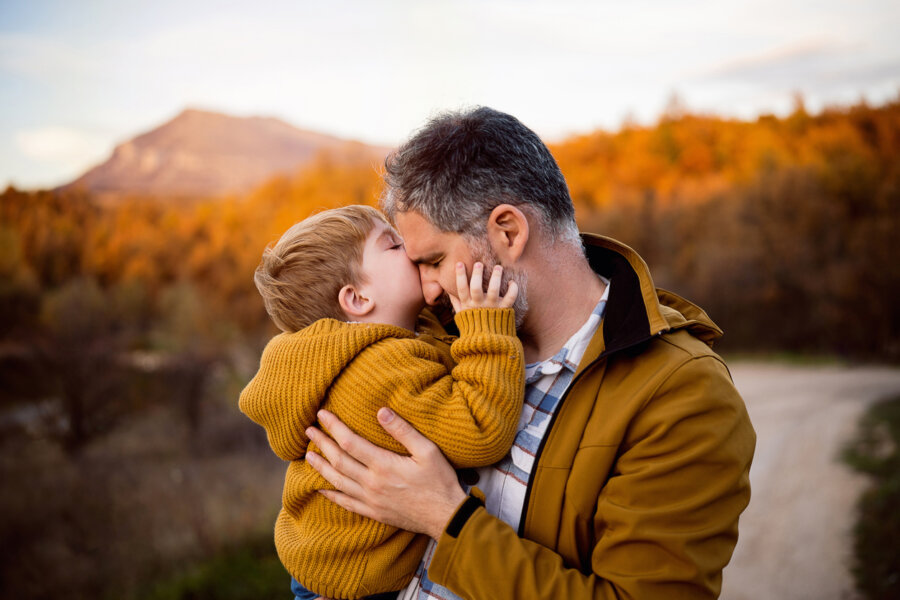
(133, 507)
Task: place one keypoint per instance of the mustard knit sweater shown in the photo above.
(470, 410)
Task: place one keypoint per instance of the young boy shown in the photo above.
(340, 286)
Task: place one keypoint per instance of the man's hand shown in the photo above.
(419, 493)
(470, 293)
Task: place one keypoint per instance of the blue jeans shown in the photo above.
(301, 593)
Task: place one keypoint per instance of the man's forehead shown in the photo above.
(415, 227)
(421, 247)
(411, 219)
(421, 238)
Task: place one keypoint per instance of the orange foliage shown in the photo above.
(693, 158)
(640, 184)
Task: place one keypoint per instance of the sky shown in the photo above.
(77, 78)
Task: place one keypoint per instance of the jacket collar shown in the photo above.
(636, 310)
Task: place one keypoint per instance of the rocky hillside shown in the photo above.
(202, 154)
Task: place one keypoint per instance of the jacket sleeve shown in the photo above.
(471, 412)
(666, 519)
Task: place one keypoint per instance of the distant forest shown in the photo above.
(784, 229)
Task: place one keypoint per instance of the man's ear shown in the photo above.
(353, 303)
(508, 231)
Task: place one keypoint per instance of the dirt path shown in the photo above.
(795, 537)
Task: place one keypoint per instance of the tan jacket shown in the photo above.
(643, 473)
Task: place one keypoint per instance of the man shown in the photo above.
(630, 467)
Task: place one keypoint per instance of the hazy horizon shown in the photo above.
(77, 80)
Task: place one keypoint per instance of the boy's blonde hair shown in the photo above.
(300, 276)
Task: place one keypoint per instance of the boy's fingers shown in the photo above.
(462, 285)
(476, 289)
(493, 291)
(512, 292)
(455, 303)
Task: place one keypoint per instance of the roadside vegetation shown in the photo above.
(876, 452)
(249, 570)
(155, 509)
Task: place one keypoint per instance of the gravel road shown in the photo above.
(795, 537)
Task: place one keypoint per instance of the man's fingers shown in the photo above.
(332, 475)
(416, 444)
(343, 435)
(348, 502)
(336, 457)
(360, 453)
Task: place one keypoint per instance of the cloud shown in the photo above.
(66, 149)
(777, 63)
(817, 64)
(824, 70)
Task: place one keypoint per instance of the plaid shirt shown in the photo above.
(505, 483)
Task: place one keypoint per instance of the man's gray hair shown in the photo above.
(461, 165)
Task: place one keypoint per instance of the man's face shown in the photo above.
(436, 253)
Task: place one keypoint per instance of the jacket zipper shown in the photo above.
(565, 396)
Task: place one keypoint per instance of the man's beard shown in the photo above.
(481, 251)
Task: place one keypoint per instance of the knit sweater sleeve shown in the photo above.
(471, 412)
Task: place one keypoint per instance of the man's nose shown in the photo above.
(431, 289)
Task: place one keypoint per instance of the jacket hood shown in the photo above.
(636, 310)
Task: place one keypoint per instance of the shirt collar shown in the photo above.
(570, 354)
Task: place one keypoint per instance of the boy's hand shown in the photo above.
(470, 294)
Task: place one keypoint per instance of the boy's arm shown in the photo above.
(486, 393)
(473, 415)
(471, 412)
(490, 371)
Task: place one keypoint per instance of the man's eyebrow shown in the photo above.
(427, 259)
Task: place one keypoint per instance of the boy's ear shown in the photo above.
(508, 232)
(354, 303)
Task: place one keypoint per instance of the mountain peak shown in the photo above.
(194, 111)
(201, 114)
(205, 153)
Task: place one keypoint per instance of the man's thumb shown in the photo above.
(400, 430)
(386, 416)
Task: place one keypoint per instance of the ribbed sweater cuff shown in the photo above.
(494, 320)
